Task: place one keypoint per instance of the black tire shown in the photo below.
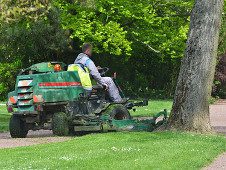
(17, 127)
(60, 125)
(119, 112)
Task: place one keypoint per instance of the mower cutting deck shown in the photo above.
(137, 124)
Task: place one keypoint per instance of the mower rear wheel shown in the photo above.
(60, 125)
(17, 127)
(120, 112)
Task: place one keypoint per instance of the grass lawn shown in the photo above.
(4, 119)
(122, 150)
(154, 106)
(127, 150)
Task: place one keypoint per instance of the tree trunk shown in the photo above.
(190, 110)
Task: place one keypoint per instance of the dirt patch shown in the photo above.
(33, 138)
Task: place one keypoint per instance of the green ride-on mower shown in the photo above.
(47, 96)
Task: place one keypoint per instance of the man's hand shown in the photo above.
(106, 87)
(99, 67)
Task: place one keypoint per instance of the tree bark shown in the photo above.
(190, 110)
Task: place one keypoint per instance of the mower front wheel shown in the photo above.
(60, 125)
(17, 127)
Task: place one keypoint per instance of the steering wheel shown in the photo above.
(103, 70)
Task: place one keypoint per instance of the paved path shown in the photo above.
(219, 163)
(218, 117)
(218, 121)
(33, 138)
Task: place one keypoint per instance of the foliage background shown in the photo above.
(142, 40)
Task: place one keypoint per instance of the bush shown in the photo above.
(8, 72)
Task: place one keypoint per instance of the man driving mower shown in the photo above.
(84, 60)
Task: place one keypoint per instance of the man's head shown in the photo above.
(87, 49)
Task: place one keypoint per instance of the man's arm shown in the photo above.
(94, 72)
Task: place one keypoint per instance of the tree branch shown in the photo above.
(147, 45)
